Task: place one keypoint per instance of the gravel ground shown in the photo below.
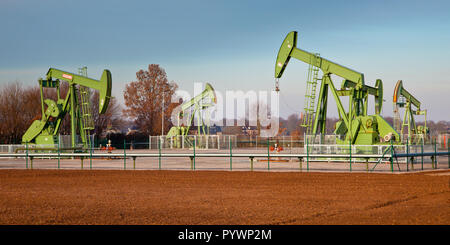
(172, 197)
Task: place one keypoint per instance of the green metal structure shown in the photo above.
(310, 97)
(355, 126)
(403, 98)
(45, 131)
(195, 106)
(85, 107)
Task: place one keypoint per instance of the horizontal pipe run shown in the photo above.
(442, 153)
(253, 155)
(250, 155)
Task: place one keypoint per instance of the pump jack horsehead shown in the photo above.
(355, 126)
(45, 131)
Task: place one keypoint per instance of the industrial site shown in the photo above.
(82, 145)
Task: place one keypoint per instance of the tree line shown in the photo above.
(147, 108)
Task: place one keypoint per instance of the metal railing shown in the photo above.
(408, 155)
(302, 158)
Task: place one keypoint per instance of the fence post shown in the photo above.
(26, 151)
(392, 157)
(350, 144)
(421, 147)
(90, 152)
(124, 154)
(407, 153)
(58, 153)
(159, 153)
(435, 155)
(231, 155)
(268, 154)
(307, 155)
(194, 151)
(251, 163)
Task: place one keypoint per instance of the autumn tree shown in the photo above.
(144, 100)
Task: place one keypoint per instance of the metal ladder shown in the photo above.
(85, 109)
(310, 97)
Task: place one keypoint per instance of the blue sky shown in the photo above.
(233, 44)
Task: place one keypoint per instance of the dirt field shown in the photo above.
(127, 197)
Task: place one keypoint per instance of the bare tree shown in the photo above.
(112, 116)
(19, 106)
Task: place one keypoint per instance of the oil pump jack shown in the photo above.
(355, 126)
(403, 98)
(195, 106)
(45, 131)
